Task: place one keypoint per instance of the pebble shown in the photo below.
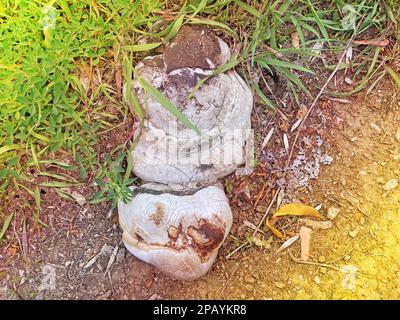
(261, 209)
(390, 185)
(398, 135)
(322, 259)
(248, 287)
(280, 285)
(333, 212)
(353, 233)
(250, 280)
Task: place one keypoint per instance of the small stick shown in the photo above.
(266, 212)
(313, 263)
(230, 278)
(258, 226)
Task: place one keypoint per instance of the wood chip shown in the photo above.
(295, 40)
(316, 225)
(305, 237)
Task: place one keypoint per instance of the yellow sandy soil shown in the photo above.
(359, 257)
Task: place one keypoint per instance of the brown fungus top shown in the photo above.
(193, 47)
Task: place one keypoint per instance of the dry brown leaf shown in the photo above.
(297, 209)
(118, 82)
(301, 113)
(373, 42)
(305, 237)
(95, 7)
(295, 40)
(284, 126)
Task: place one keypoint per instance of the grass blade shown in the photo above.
(142, 47)
(246, 7)
(10, 147)
(6, 224)
(394, 75)
(167, 104)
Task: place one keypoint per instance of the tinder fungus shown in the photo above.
(178, 234)
(181, 219)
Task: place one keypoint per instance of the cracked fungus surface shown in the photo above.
(359, 257)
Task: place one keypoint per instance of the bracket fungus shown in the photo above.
(178, 234)
(180, 167)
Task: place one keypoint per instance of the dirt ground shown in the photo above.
(348, 159)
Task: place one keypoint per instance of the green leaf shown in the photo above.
(284, 64)
(58, 184)
(318, 21)
(6, 224)
(248, 8)
(233, 61)
(65, 8)
(142, 47)
(175, 29)
(394, 76)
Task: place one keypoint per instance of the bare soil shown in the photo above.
(80, 255)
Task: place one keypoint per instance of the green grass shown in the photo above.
(46, 111)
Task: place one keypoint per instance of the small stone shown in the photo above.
(348, 80)
(333, 212)
(398, 135)
(250, 280)
(280, 285)
(380, 179)
(353, 233)
(390, 185)
(248, 287)
(261, 209)
(322, 259)
(317, 280)
(375, 127)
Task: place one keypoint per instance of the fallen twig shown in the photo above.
(313, 263)
(258, 226)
